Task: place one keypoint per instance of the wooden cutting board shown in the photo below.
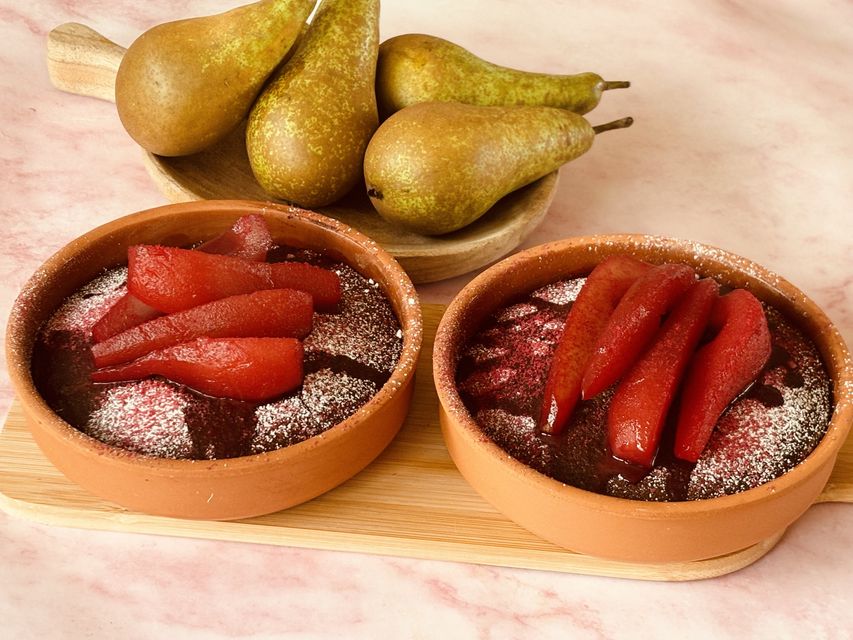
(410, 502)
(83, 62)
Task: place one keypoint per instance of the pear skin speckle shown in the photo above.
(308, 131)
(183, 86)
(436, 167)
(416, 68)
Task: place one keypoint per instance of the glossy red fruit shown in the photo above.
(633, 324)
(604, 287)
(249, 238)
(171, 279)
(721, 369)
(638, 410)
(252, 369)
(272, 312)
(128, 311)
(323, 285)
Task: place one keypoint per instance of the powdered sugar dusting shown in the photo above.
(333, 397)
(516, 433)
(80, 311)
(326, 399)
(655, 486)
(483, 353)
(559, 293)
(283, 423)
(364, 329)
(488, 381)
(509, 361)
(516, 312)
(145, 417)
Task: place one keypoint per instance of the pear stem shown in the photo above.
(622, 123)
(615, 84)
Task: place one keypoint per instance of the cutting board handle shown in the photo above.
(82, 61)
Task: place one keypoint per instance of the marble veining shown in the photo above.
(741, 140)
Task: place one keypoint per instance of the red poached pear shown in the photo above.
(248, 238)
(721, 369)
(638, 410)
(267, 313)
(127, 312)
(252, 369)
(633, 324)
(604, 287)
(171, 279)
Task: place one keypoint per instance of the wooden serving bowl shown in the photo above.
(212, 489)
(82, 61)
(616, 528)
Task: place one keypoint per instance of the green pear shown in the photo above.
(415, 68)
(183, 86)
(436, 167)
(308, 130)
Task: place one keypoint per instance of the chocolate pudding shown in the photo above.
(771, 427)
(349, 355)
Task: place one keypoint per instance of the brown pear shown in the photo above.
(308, 130)
(183, 86)
(436, 167)
(415, 68)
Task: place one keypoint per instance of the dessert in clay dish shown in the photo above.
(641, 398)
(249, 357)
(329, 334)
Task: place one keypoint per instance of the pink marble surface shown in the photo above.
(741, 140)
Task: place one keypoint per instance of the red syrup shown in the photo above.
(349, 355)
(764, 433)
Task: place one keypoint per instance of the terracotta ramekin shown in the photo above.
(616, 528)
(219, 489)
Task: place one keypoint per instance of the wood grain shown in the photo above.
(410, 502)
(81, 61)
